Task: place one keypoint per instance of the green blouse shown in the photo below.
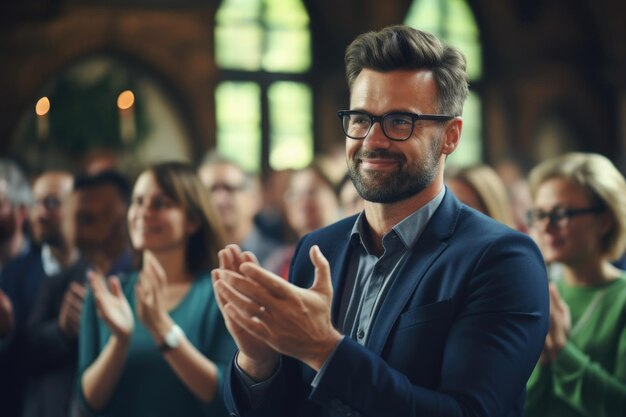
(148, 386)
(588, 377)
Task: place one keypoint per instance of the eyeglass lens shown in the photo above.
(395, 125)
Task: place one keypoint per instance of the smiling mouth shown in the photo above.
(146, 230)
(379, 156)
(378, 163)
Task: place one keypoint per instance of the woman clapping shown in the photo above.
(154, 342)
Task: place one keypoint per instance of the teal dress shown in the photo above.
(148, 386)
(588, 377)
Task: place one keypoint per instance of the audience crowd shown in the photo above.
(91, 267)
(121, 298)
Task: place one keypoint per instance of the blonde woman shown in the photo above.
(579, 220)
(153, 343)
(480, 187)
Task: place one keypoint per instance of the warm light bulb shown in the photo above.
(125, 100)
(42, 107)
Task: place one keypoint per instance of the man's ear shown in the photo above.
(452, 135)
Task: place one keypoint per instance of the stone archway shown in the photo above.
(176, 45)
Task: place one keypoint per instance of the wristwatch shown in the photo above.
(172, 338)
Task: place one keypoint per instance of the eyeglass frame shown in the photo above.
(559, 214)
(49, 202)
(380, 119)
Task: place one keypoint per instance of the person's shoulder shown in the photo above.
(479, 234)
(24, 264)
(328, 238)
(481, 226)
(33, 255)
(339, 230)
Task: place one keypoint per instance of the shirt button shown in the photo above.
(360, 334)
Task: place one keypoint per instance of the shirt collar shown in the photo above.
(51, 265)
(408, 230)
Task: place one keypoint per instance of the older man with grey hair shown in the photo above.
(15, 198)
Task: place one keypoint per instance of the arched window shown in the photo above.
(453, 21)
(90, 117)
(264, 105)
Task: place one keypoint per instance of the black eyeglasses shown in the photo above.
(396, 126)
(559, 216)
(228, 188)
(49, 203)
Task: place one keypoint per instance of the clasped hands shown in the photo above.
(560, 326)
(268, 316)
(113, 307)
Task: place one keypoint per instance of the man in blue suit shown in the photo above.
(418, 306)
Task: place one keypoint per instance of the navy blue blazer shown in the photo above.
(458, 334)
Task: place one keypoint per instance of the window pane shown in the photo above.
(288, 50)
(469, 151)
(238, 112)
(288, 40)
(453, 21)
(291, 137)
(463, 33)
(272, 34)
(238, 35)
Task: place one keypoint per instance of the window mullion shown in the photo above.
(265, 127)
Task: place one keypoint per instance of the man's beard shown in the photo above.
(405, 182)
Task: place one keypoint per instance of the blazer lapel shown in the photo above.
(338, 270)
(428, 248)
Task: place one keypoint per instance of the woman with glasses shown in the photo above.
(579, 221)
(153, 342)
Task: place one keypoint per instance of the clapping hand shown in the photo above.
(255, 356)
(111, 305)
(291, 320)
(150, 300)
(560, 326)
(69, 317)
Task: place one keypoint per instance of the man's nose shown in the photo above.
(376, 138)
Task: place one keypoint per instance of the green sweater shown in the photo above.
(148, 386)
(588, 377)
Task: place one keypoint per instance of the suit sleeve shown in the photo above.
(47, 346)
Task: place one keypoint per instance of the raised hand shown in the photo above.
(560, 326)
(6, 314)
(295, 321)
(111, 305)
(255, 356)
(69, 316)
(150, 299)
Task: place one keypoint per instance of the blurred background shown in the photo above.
(137, 81)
